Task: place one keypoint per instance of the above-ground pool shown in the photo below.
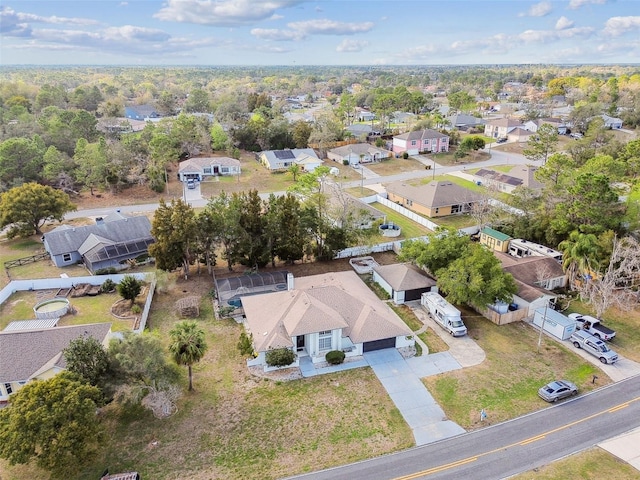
(52, 308)
(389, 230)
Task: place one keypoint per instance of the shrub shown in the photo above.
(107, 286)
(405, 155)
(136, 309)
(345, 162)
(245, 345)
(334, 357)
(129, 288)
(106, 271)
(280, 357)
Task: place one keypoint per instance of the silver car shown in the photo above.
(557, 390)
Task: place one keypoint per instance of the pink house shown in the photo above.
(421, 141)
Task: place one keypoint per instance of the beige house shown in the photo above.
(27, 355)
(434, 199)
(501, 127)
(333, 311)
(403, 282)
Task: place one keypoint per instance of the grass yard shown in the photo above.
(410, 229)
(394, 166)
(592, 464)
(238, 426)
(433, 341)
(507, 382)
(88, 310)
(626, 324)
(360, 192)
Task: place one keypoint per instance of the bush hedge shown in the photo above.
(334, 357)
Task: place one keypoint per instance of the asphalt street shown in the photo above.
(506, 449)
(194, 198)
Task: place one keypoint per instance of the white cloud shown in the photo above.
(17, 24)
(616, 26)
(575, 4)
(564, 23)
(348, 45)
(330, 27)
(546, 36)
(538, 10)
(221, 12)
(278, 35)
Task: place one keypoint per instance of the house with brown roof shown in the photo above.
(27, 355)
(198, 168)
(519, 135)
(333, 311)
(402, 281)
(501, 127)
(518, 176)
(434, 199)
(420, 141)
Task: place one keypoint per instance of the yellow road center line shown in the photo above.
(619, 407)
(532, 439)
(438, 469)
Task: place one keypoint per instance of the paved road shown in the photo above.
(195, 199)
(512, 447)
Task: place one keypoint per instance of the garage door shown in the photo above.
(413, 294)
(379, 344)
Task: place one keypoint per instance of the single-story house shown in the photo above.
(421, 141)
(357, 153)
(519, 134)
(279, 160)
(407, 118)
(534, 125)
(198, 168)
(463, 121)
(612, 122)
(360, 130)
(141, 112)
(494, 239)
(403, 282)
(109, 242)
(434, 199)
(27, 355)
(365, 115)
(518, 176)
(501, 127)
(333, 311)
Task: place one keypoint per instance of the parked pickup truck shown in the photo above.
(594, 346)
(593, 326)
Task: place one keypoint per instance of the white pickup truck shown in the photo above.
(594, 346)
(593, 326)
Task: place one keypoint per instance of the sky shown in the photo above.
(325, 32)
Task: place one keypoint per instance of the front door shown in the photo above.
(300, 343)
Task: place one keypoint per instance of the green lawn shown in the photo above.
(410, 229)
(507, 382)
(592, 464)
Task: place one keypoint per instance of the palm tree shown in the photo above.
(188, 345)
(580, 253)
(295, 170)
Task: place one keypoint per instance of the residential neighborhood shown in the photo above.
(252, 271)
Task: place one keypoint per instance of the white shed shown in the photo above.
(555, 323)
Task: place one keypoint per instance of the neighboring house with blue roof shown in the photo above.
(140, 112)
(278, 160)
(109, 242)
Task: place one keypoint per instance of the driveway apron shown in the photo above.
(401, 379)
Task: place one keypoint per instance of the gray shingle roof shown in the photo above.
(198, 164)
(358, 149)
(434, 194)
(23, 353)
(421, 135)
(404, 276)
(116, 228)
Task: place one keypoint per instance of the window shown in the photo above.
(66, 257)
(413, 142)
(324, 340)
(224, 169)
(409, 202)
(456, 208)
(207, 170)
(7, 387)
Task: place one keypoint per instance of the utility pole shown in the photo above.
(544, 318)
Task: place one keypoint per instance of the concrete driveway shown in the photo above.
(401, 379)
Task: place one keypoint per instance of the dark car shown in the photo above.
(502, 140)
(557, 390)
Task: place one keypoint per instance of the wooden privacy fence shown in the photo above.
(26, 260)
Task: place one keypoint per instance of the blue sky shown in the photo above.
(327, 32)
